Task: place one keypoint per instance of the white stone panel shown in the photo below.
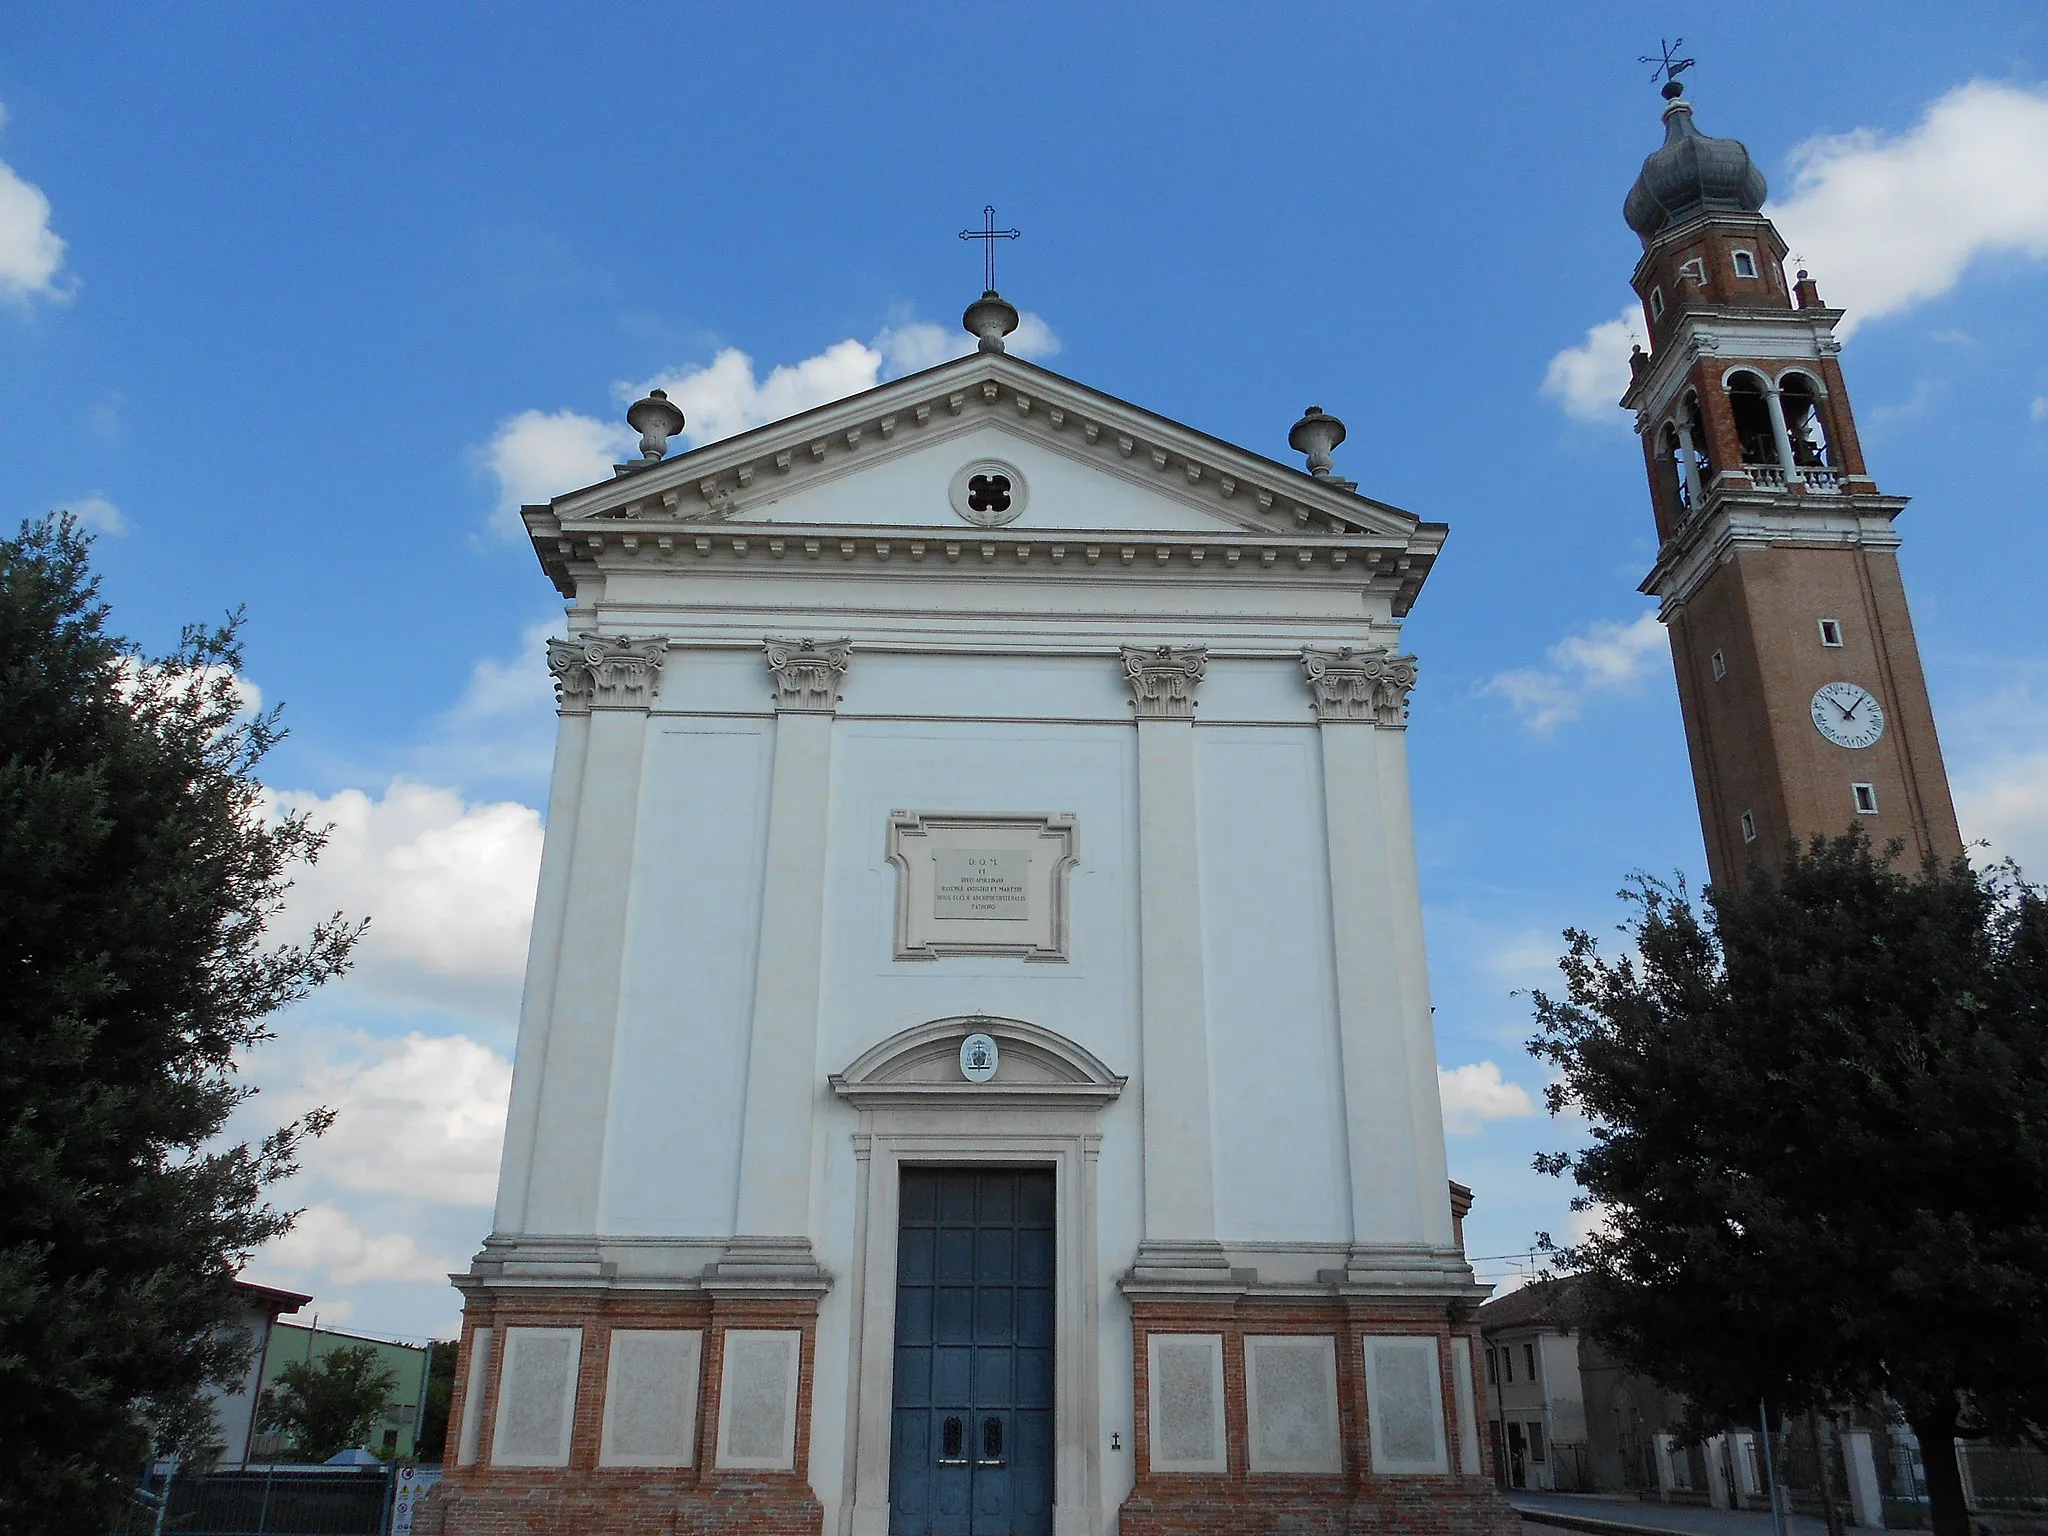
(981, 687)
(757, 1398)
(536, 1397)
(1291, 1404)
(885, 766)
(1239, 690)
(912, 488)
(1185, 1380)
(650, 1398)
(1468, 1408)
(1405, 1404)
(473, 1398)
(689, 983)
(1277, 1078)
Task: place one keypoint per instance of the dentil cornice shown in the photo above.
(606, 671)
(1370, 686)
(806, 674)
(1162, 679)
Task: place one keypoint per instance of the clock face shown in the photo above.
(1847, 715)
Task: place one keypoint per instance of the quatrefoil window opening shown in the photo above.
(988, 492)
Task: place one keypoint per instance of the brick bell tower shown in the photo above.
(1777, 569)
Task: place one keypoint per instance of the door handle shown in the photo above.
(991, 1443)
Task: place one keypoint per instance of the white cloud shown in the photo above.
(2039, 409)
(1588, 379)
(723, 398)
(2005, 803)
(31, 253)
(1476, 1093)
(99, 514)
(1610, 657)
(447, 884)
(1885, 222)
(538, 454)
(326, 1242)
(422, 1116)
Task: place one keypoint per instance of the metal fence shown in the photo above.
(326, 1501)
(2004, 1478)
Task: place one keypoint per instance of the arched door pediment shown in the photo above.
(1037, 1068)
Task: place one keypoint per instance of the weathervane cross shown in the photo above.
(988, 234)
(1670, 66)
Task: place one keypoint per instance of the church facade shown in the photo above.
(975, 1072)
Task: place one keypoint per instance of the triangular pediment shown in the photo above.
(896, 456)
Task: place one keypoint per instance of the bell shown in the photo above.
(657, 420)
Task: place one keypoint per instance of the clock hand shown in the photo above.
(1850, 712)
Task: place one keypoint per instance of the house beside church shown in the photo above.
(975, 1071)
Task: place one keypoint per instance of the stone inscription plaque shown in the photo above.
(970, 883)
(981, 882)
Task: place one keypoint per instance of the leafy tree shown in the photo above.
(431, 1442)
(328, 1404)
(1819, 1142)
(139, 875)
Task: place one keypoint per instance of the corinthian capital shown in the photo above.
(1369, 685)
(806, 674)
(1162, 679)
(606, 671)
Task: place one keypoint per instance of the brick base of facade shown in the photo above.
(1429, 1507)
(613, 1504)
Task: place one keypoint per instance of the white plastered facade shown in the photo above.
(1185, 656)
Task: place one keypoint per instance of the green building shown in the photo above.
(393, 1434)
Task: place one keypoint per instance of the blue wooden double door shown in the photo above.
(971, 1449)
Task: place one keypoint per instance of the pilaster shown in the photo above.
(1389, 1070)
(1179, 1243)
(606, 684)
(771, 1247)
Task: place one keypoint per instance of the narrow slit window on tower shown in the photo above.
(1720, 666)
(1748, 827)
(1694, 271)
(1866, 798)
(1656, 303)
(1830, 631)
(1745, 264)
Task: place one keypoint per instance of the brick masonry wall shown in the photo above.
(585, 1499)
(1243, 1503)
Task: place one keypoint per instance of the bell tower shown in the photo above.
(1777, 571)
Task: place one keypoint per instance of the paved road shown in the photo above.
(1684, 1519)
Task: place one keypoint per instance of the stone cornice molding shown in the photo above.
(1736, 520)
(1778, 335)
(1391, 567)
(725, 479)
(606, 671)
(1368, 686)
(806, 673)
(1162, 679)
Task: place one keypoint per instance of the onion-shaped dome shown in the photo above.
(1691, 173)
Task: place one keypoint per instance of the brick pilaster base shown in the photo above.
(587, 1498)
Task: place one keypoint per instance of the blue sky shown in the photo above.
(294, 300)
